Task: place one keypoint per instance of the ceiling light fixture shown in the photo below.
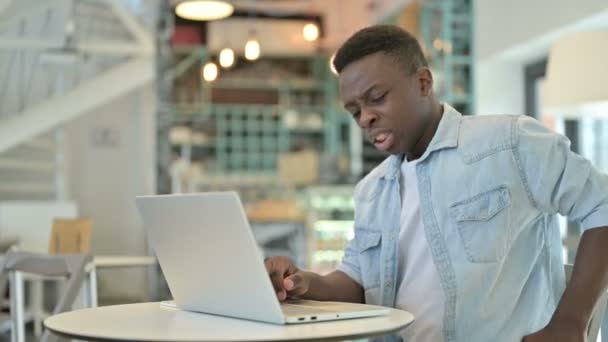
(576, 76)
(204, 10)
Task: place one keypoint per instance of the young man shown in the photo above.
(458, 225)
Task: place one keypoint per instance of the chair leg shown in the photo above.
(17, 328)
(604, 329)
(91, 287)
(37, 306)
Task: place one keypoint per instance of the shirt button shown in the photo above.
(389, 285)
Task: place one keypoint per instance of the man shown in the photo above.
(458, 225)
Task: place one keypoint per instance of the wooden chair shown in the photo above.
(70, 236)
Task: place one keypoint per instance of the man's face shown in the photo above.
(390, 107)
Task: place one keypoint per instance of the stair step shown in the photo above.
(40, 144)
(29, 188)
(33, 154)
(9, 163)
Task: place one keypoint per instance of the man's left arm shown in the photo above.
(559, 181)
(589, 280)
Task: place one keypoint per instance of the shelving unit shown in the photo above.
(446, 29)
(249, 138)
(244, 138)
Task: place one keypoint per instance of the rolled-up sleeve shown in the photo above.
(558, 180)
(350, 263)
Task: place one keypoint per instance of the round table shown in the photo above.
(151, 322)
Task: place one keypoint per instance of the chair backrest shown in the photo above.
(598, 312)
(70, 236)
(70, 266)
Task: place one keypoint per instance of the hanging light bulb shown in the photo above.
(210, 72)
(204, 9)
(252, 48)
(310, 32)
(226, 57)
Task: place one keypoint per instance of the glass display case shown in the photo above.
(331, 225)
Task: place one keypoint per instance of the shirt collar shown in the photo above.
(446, 136)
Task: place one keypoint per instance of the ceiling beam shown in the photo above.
(81, 100)
(139, 33)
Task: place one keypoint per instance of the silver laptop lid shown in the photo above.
(209, 256)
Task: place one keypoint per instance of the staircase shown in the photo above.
(59, 60)
(29, 171)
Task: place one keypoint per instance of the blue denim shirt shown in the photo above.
(490, 188)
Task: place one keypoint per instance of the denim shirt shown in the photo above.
(490, 190)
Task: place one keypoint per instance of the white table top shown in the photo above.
(151, 322)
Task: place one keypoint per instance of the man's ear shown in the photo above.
(424, 81)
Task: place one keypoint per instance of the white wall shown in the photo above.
(502, 25)
(499, 87)
(107, 172)
(512, 34)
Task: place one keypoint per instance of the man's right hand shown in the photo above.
(287, 279)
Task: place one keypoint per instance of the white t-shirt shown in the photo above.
(419, 289)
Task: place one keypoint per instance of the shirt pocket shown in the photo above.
(369, 248)
(483, 224)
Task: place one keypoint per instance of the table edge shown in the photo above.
(336, 338)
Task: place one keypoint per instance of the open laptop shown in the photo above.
(212, 263)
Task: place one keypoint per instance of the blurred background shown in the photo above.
(103, 100)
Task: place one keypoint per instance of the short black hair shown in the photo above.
(391, 40)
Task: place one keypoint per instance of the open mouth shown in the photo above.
(383, 141)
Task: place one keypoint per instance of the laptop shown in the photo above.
(212, 264)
